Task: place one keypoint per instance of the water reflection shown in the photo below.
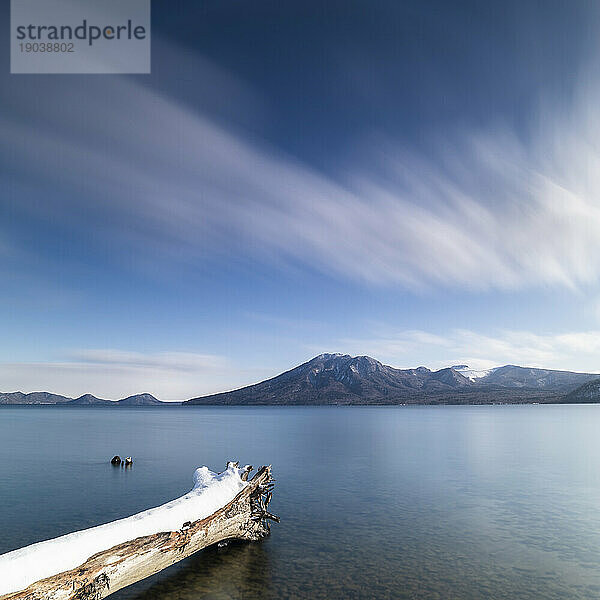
(240, 571)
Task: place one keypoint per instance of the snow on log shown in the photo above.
(93, 563)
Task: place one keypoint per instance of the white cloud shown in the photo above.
(577, 351)
(114, 374)
(181, 361)
(175, 376)
(488, 210)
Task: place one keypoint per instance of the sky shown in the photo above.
(414, 181)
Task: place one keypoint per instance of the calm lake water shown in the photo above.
(398, 502)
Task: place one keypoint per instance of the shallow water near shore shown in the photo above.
(383, 502)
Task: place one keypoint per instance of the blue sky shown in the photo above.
(416, 181)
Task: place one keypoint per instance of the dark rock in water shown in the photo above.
(116, 460)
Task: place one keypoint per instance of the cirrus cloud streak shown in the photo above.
(484, 209)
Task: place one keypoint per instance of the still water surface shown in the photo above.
(387, 502)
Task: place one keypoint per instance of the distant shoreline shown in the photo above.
(339, 405)
(344, 380)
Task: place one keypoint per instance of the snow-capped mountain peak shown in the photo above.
(473, 374)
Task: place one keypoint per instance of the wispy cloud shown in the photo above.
(486, 209)
(114, 374)
(578, 351)
(151, 173)
(175, 376)
(180, 361)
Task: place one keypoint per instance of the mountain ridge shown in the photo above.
(49, 399)
(334, 378)
(343, 379)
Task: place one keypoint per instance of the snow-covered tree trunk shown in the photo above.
(244, 517)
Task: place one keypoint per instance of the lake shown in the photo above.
(375, 502)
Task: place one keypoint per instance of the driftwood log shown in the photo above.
(246, 517)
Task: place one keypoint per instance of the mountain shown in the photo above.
(340, 378)
(32, 398)
(525, 377)
(140, 400)
(136, 400)
(89, 400)
(450, 377)
(17, 398)
(343, 379)
(588, 392)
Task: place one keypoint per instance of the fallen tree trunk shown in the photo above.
(245, 517)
